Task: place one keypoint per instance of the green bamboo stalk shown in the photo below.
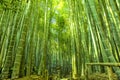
(7, 64)
(21, 44)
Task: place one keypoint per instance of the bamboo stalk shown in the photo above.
(104, 64)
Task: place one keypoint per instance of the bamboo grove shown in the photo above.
(42, 35)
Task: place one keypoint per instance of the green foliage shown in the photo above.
(40, 35)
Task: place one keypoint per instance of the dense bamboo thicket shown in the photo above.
(48, 37)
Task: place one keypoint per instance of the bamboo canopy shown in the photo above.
(55, 39)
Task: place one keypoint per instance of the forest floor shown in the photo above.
(102, 76)
(95, 76)
(32, 77)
